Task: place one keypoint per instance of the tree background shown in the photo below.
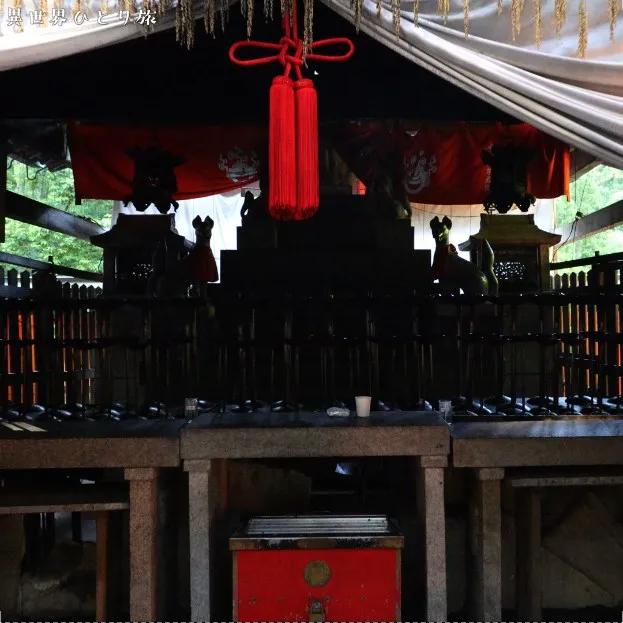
(595, 190)
(56, 190)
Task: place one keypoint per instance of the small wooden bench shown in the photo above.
(527, 484)
(99, 499)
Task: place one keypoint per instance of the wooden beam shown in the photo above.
(26, 262)
(33, 212)
(592, 224)
(582, 163)
(3, 190)
(588, 261)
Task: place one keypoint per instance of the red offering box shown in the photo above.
(317, 568)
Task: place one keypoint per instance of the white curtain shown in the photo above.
(35, 43)
(577, 100)
(223, 209)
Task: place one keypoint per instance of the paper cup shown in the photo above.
(363, 405)
(445, 408)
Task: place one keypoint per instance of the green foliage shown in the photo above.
(56, 190)
(598, 189)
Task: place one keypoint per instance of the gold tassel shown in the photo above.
(209, 16)
(613, 11)
(560, 14)
(396, 15)
(583, 34)
(466, 18)
(103, 6)
(308, 25)
(379, 6)
(184, 23)
(250, 6)
(358, 5)
(224, 11)
(19, 9)
(443, 7)
(43, 7)
(517, 7)
(75, 8)
(500, 7)
(416, 11)
(538, 21)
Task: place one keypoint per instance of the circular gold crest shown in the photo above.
(317, 573)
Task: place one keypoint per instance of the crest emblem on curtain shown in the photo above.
(419, 170)
(239, 165)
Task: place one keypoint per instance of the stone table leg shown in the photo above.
(486, 545)
(200, 514)
(431, 506)
(143, 542)
(102, 546)
(528, 578)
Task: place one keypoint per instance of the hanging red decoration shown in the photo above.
(293, 182)
(282, 149)
(307, 175)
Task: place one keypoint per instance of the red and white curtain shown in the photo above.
(218, 159)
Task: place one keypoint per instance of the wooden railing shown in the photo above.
(601, 272)
(313, 349)
(597, 275)
(31, 329)
(42, 279)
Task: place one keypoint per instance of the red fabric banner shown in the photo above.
(444, 165)
(218, 158)
(437, 165)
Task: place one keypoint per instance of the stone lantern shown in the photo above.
(521, 251)
(129, 247)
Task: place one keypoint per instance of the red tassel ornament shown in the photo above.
(307, 175)
(293, 177)
(282, 150)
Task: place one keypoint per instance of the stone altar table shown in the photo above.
(520, 452)
(141, 448)
(314, 435)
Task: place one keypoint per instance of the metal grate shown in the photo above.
(319, 525)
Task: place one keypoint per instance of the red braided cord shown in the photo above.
(288, 41)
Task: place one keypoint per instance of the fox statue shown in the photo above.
(191, 273)
(454, 272)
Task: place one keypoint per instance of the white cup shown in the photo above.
(363, 405)
(445, 408)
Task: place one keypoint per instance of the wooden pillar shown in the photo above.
(101, 566)
(486, 545)
(528, 568)
(431, 507)
(143, 543)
